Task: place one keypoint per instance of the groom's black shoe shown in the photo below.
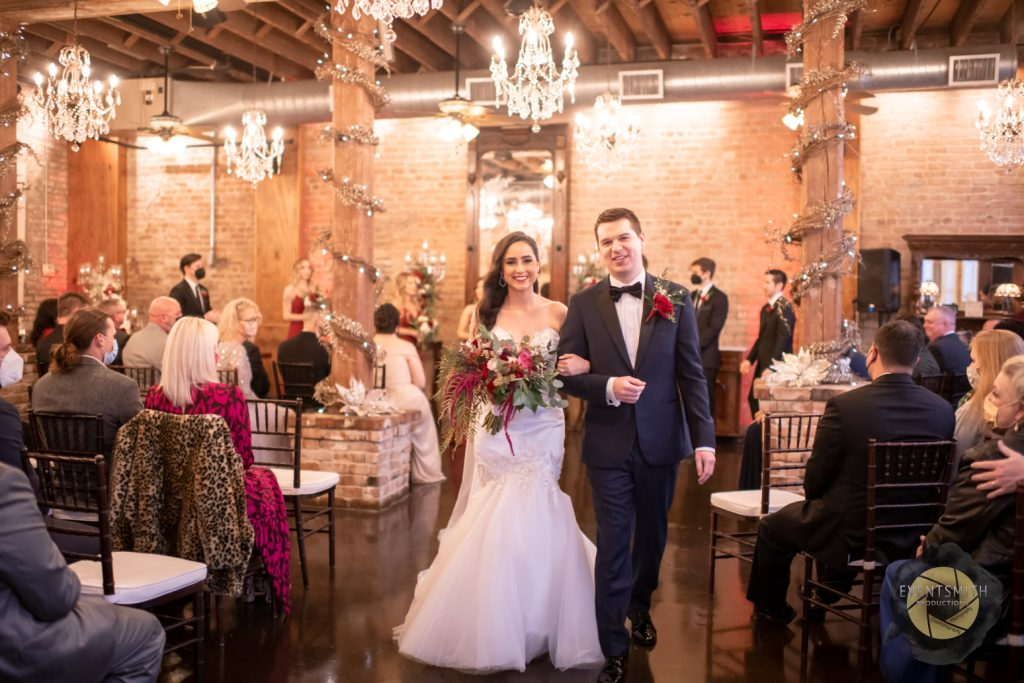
(614, 670)
(643, 630)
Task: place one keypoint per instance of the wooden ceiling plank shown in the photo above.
(497, 10)
(412, 43)
(31, 11)
(481, 27)
(96, 48)
(913, 17)
(586, 45)
(617, 32)
(654, 27)
(466, 11)
(1011, 26)
(278, 17)
(706, 27)
(756, 29)
(964, 20)
(246, 26)
(308, 11)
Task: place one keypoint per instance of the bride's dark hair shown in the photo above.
(494, 292)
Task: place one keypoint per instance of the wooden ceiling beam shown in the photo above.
(308, 11)
(616, 30)
(913, 17)
(412, 43)
(756, 29)
(654, 27)
(31, 11)
(706, 27)
(496, 9)
(246, 26)
(115, 38)
(566, 20)
(1011, 26)
(856, 29)
(466, 11)
(96, 49)
(964, 20)
(481, 27)
(43, 51)
(238, 47)
(278, 17)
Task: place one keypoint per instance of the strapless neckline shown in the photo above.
(500, 331)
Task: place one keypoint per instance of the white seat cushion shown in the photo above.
(748, 503)
(311, 482)
(139, 577)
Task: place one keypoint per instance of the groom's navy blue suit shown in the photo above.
(632, 452)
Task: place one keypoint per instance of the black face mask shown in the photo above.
(695, 279)
(200, 273)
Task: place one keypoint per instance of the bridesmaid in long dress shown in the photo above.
(295, 295)
(404, 383)
(409, 305)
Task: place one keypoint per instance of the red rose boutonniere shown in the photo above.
(663, 302)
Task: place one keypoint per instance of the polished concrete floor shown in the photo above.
(340, 627)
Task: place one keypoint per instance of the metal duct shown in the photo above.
(292, 103)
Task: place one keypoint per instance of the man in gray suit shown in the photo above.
(49, 631)
(145, 348)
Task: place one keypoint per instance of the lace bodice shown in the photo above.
(545, 338)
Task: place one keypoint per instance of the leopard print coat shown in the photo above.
(177, 488)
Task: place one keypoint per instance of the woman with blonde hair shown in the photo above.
(295, 293)
(409, 305)
(989, 350)
(239, 323)
(189, 386)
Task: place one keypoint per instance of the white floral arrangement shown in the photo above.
(353, 399)
(803, 369)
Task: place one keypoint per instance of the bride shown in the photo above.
(514, 575)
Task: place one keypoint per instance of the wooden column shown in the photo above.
(820, 311)
(353, 229)
(98, 182)
(8, 136)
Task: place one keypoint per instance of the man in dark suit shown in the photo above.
(829, 524)
(11, 367)
(950, 353)
(774, 331)
(193, 298)
(647, 409)
(305, 347)
(67, 303)
(712, 308)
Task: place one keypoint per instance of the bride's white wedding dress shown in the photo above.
(514, 575)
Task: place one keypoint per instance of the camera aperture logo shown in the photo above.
(943, 602)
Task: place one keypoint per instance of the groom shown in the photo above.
(647, 403)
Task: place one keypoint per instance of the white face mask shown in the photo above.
(12, 367)
(972, 375)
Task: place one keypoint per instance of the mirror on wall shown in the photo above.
(518, 182)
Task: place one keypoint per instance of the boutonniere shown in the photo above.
(663, 302)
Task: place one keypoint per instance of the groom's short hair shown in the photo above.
(616, 214)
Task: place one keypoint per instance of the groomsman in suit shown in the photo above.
(193, 298)
(712, 308)
(774, 333)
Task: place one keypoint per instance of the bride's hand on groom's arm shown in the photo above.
(705, 461)
(570, 364)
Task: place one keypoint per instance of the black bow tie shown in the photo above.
(636, 289)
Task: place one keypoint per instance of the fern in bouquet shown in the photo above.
(493, 378)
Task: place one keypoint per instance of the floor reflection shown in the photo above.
(340, 628)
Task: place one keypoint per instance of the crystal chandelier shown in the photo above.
(1002, 135)
(608, 136)
(536, 90)
(77, 107)
(100, 281)
(255, 158)
(387, 11)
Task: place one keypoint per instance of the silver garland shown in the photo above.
(353, 195)
(14, 257)
(338, 330)
(836, 262)
(358, 133)
(8, 204)
(817, 81)
(367, 47)
(9, 157)
(816, 139)
(339, 72)
(12, 111)
(835, 12)
(12, 46)
(326, 245)
(817, 217)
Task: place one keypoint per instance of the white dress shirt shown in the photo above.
(630, 311)
(775, 297)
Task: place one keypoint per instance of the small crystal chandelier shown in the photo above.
(255, 158)
(77, 107)
(608, 136)
(1002, 135)
(387, 11)
(536, 90)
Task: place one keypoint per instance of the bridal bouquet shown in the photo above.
(496, 378)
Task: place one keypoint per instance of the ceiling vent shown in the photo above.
(482, 91)
(973, 69)
(648, 84)
(794, 74)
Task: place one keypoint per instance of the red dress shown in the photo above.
(264, 504)
(408, 320)
(295, 326)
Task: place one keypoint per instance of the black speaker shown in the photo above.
(878, 281)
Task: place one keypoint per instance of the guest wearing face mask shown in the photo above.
(79, 381)
(975, 416)
(193, 297)
(712, 308)
(11, 367)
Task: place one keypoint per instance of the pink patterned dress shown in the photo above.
(264, 503)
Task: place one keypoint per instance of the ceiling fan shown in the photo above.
(463, 115)
(166, 129)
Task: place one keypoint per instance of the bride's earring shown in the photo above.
(501, 281)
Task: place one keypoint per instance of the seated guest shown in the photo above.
(79, 381)
(989, 350)
(189, 386)
(145, 348)
(829, 524)
(46, 320)
(116, 309)
(950, 353)
(404, 383)
(305, 347)
(926, 365)
(1011, 325)
(239, 323)
(68, 303)
(49, 631)
(11, 367)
